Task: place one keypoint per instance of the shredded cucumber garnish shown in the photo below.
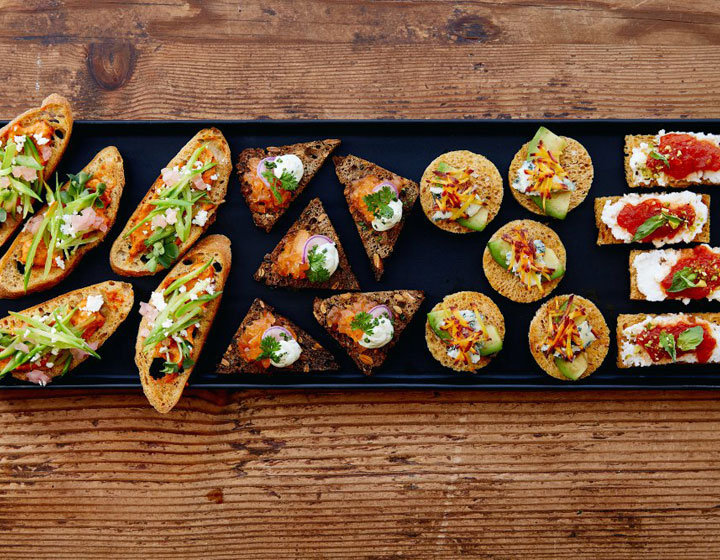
(19, 191)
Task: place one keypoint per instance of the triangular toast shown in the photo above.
(378, 244)
(403, 304)
(312, 154)
(313, 358)
(315, 220)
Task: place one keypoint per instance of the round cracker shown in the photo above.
(492, 188)
(507, 283)
(463, 299)
(575, 159)
(596, 352)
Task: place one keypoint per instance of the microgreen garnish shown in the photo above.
(378, 203)
(317, 271)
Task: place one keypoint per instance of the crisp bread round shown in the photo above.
(463, 299)
(575, 159)
(462, 159)
(596, 352)
(507, 283)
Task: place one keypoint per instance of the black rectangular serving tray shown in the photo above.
(425, 257)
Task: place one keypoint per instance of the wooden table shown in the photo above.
(372, 475)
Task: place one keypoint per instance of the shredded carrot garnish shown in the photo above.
(524, 259)
(460, 190)
(564, 332)
(548, 176)
(462, 335)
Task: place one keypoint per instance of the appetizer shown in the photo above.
(461, 191)
(368, 324)
(31, 146)
(551, 174)
(76, 219)
(309, 255)
(524, 260)
(379, 202)
(179, 207)
(273, 177)
(647, 340)
(568, 337)
(267, 342)
(177, 320)
(660, 219)
(465, 331)
(672, 159)
(49, 339)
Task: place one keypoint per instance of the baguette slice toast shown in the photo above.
(164, 395)
(315, 220)
(313, 357)
(378, 244)
(605, 236)
(312, 154)
(120, 260)
(56, 111)
(120, 293)
(403, 304)
(107, 167)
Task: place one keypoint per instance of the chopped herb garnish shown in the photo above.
(317, 272)
(270, 349)
(378, 203)
(365, 322)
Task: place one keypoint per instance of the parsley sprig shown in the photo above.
(317, 272)
(378, 203)
(364, 322)
(270, 349)
(286, 181)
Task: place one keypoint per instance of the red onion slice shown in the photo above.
(262, 169)
(277, 333)
(387, 184)
(380, 310)
(313, 242)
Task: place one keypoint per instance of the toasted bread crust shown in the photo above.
(403, 303)
(165, 395)
(605, 236)
(492, 313)
(595, 353)
(506, 282)
(314, 357)
(312, 154)
(120, 259)
(378, 244)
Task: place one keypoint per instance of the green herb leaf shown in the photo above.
(683, 279)
(269, 348)
(378, 203)
(657, 155)
(649, 226)
(317, 271)
(667, 343)
(365, 322)
(690, 338)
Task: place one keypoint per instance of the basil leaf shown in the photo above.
(690, 338)
(649, 226)
(683, 279)
(659, 156)
(667, 342)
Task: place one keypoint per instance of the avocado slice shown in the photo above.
(557, 205)
(552, 261)
(494, 345)
(498, 250)
(477, 221)
(573, 370)
(434, 319)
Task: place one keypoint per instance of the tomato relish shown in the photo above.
(705, 264)
(649, 339)
(632, 216)
(683, 154)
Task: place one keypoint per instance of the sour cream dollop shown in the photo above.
(332, 258)
(383, 224)
(290, 163)
(288, 354)
(382, 333)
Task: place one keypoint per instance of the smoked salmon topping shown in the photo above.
(290, 260)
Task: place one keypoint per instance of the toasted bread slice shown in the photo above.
(119, 293)
(312, 359)
(121, 260)
(316, 221)
(312, 154)
(378, 244)
(164, 394)
(539, 328)
(56, 111)
(507, 283)
(576, 161)
(107, 167)
(403, 305)
(606, 237)
(463, 300)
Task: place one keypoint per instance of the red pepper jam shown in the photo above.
(632, 216)
(685, 154)
(650, 340)
(705, 264)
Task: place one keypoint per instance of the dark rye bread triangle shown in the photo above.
(403, 303)
(313, 358)
(312, 154)
(378, 244)
(315, 220)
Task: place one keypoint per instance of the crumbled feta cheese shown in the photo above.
(20, 142)
(200, 218)
(182, 289)
(158, 301)
(167, 323)
(94, 303)
(50, 365)
(213, 177)
(40, 140)
(60, 262)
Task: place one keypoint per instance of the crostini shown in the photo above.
(49, 339)
(465, 331)
(267, 342)
(379, 201)
(524, 260)
(461, 191)
(177, 320)
(76, 219)
(672, 159)
(179, 207)
(309, 256)
(569, 337)
(657, 218)
(272, 178)
(368, 324)
(31, 146)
